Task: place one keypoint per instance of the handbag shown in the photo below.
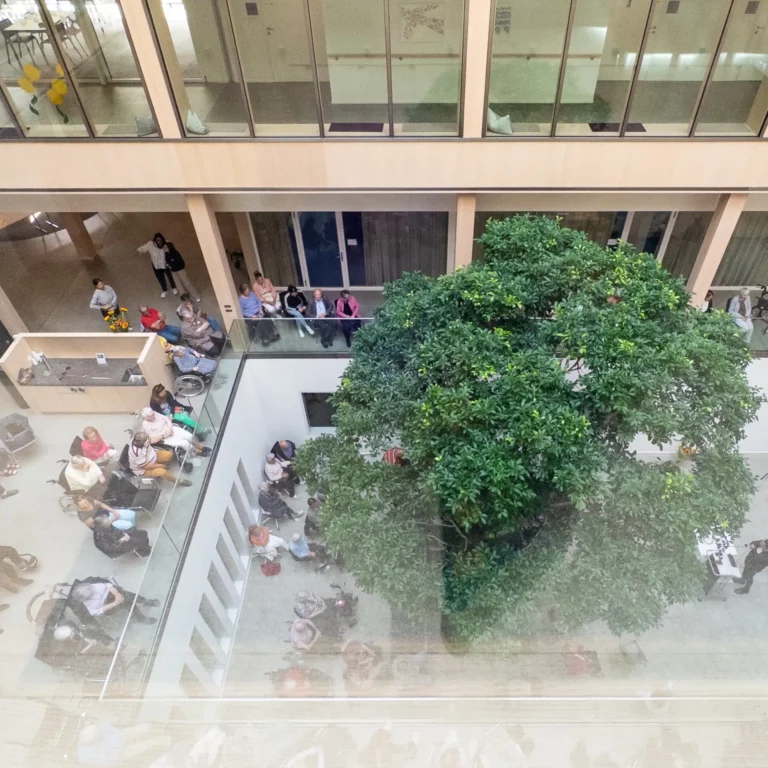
(270, 569)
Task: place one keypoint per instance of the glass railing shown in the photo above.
(283, 337)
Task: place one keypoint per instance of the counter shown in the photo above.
(74, 382)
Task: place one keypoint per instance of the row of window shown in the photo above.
(274, 68)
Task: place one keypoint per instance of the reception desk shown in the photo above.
(71, 380)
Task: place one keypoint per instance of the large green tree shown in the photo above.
(516, 387)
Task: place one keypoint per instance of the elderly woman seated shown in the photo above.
(114, 543)
(83, 474)
(189, 361)
(198, 334)
(161, 429)
(94, 447)
(265, 543)
(281, 475)
(145, 461)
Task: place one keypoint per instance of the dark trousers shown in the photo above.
(327, 330)
(161, 274)
(105, 312)
(262, 329)
(348, 327)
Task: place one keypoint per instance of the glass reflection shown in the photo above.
(427, 44)
(196, 43)
(528, 39)
(736, 98)
(7, 128)
(681, 42)
(601, 58)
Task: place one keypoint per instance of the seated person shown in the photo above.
(153, 321)
(266, 293)
(304, 634)
(273, 505)
(284, 450)
(161, 429)
(189, 305)
(198, 334)
(303, 551)
(82, 474)
(281, 478)
(162, 401)
(395, 457)
(322, 312)
(252, 309)
(312, 520)
(122, 519)
(94, 448)
(189, 361)
(264, 542)
(740, 309)
(115, 543)
(100, 597)
(145, 461)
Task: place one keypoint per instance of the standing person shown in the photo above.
(348, 312)
(296, 306)
(94, 447)
(263, 288)
(252, 309)
(740, 310)
(175, 262)
(757, 560)
(157, 253)
(285, 451)
(104, 297)
(153, 321)
(189, 305)
(321, 310)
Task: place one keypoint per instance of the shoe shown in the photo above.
(8, 494)
(130, 328)
(175, 292)
(738, 581)
(198, 299)
(184, 483)
(163, 294)
(741, 591)
(5, 606)
(206, 451)
(301, 333)
(310, 332)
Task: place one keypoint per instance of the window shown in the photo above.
(319, 409)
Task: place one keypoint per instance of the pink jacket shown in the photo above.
(353, 305)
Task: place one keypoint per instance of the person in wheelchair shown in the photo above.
(161, 430)
(102, 596)
(122, 519)
(114, 543)
(189, 361)
(83, 474)
(198, 334)
(94, 447)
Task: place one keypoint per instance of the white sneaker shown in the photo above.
(175, 292)
(163, 294)
(198, 299)
(301, 333)
(310, 331)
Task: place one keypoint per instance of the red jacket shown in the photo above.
(353, 305)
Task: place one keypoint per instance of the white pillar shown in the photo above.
(465, 230)
(476, 67)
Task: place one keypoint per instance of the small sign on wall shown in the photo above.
(252, 9)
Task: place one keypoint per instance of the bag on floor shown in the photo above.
(270, 569)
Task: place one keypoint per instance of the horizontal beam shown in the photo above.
(438, 165)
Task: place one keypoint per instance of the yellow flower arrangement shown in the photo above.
(117, 320)
(55, 93)
(685, 452)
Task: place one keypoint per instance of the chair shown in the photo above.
(17, 39)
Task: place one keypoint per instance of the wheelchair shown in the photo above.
(760, 310)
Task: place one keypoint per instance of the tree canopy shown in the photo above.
(516, 387)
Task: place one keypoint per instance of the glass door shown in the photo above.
(320, 248)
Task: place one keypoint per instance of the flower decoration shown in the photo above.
(117, 320)
(55, 93)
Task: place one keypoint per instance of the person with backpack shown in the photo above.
(175, 262)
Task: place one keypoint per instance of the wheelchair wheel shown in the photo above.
(67, 504)
(189, 385)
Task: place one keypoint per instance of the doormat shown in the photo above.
(614, 127)
(356, 127)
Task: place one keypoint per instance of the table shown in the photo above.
(29, 25)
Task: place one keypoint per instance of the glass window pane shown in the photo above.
(32, 75)
(603, 49)
(528, 39)
(427, 45)
(276, 242)
(351, 60)
(101, 61)
(199, 57)
(647, 230)
(685, 242)
(744, 262)
(320, 239)
(7, 128)
(736, 98)
(273, 46)
(355, 247)
(675, 64)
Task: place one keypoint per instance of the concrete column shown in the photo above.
(172, 66)
(80, 237)
(465, 230)
(9, 317)
(138, 26)
(476, 55)
(719, 232)
(247, 243)
(212, 246)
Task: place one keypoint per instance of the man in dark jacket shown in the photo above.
(114, 543)
(757, 560)
(323, 316)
